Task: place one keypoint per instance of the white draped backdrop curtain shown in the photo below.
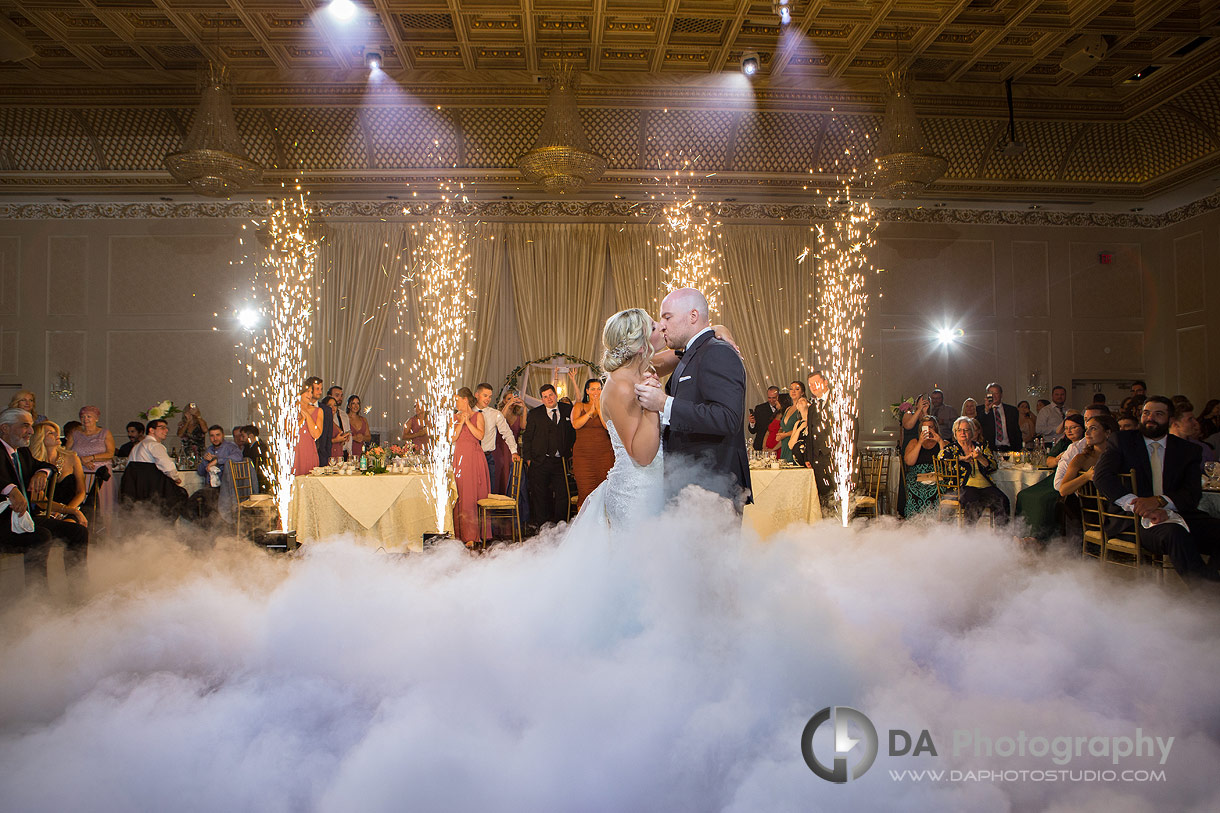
(557, 273)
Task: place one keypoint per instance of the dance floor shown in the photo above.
(673, 668)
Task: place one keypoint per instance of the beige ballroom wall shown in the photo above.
(127, 306)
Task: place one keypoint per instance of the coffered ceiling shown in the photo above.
(94, 93)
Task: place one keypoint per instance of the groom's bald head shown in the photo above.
(684, 313)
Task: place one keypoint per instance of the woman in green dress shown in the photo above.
(1039, 505)
(919, 458)
(788, 424)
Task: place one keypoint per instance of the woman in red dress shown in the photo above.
(309, 429)
(469, 467)
(592, 454)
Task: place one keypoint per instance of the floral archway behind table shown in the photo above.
(567, 372)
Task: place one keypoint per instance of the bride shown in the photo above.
(633, 488)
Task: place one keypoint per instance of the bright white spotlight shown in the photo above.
(749, 63)
(342, 10)
(372, 59)
(783, 10)
(949, 335)
(247, 318)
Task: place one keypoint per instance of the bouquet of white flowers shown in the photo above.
(161, 410)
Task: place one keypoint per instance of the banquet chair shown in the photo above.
(93, 496)
(1091, 520)
(247, 500)
(44, 505)
(1126, 542)
(948, 484)
(570, 483)
(503, 505)
(868, 485)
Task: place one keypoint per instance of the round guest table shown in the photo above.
(391, 510)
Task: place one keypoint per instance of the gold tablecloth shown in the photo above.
(392, 510)
(781, 497)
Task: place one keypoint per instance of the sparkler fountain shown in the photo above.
(439, 281)
(284, 284)
(843, 246)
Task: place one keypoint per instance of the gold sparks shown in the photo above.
(843, 246)
(284, 292)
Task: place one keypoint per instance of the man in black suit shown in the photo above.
(1168, 485)
(761, 417)
(1001, 422)
(817, 445)
(22, 479)
(547, 442)
(328, 420)
(703, 404)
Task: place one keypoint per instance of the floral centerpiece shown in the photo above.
(903, 406)
(375, 458)
(162, 410)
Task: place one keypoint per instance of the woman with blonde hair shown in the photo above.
(69, 491)
(25, 399)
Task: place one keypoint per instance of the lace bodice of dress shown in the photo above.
(632, 490)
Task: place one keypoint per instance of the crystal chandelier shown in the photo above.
(560, 160)
(903, 164)
(213, 160)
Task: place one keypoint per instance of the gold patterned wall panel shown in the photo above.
(323, 138)
(848, 143)
(758, 134)
(133, 138)
(614, 134)
(411, 137)
(498, 137)
(1046, 145)
(962, 142)
(1162, 155)
(257, 136)
(698, 135)
(1107, 152)
(44, 139)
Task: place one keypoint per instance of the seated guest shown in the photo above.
(944, 414)
(69, 491)
(913, 418)
(1073, 431)
(970, 409)
(1185, 426)
(22, 480)
(761, 417)
(1042, 404)
(135, 434)
(1168, 486)
(1139, 391)
(975, 461)
(256, 452)
(1049, 424)
(1127, 422)
(415, 433)
(358, 426)
(1000, 422)
(151, 475)
(238, 437)
(1100, 399)
(69, 428)
(1028, 422)
(920, 458)
(217, 491)
(24, 399)
(1097, 433)
(799, 440)
(1209, 419)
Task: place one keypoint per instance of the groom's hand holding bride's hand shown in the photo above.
(650, 394)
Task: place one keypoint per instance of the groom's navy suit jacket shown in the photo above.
(703, 442)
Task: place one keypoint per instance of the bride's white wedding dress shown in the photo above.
(630, 492)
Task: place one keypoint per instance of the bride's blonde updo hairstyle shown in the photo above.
(626, 334)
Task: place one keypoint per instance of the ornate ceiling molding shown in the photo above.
(613, 211)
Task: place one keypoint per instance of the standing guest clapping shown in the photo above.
(592, 454)
(358, 429)
(469, 466)
(309, 427)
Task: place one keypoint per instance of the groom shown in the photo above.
(703, 406)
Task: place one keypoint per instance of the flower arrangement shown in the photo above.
(397, 451)
(903, 406)
(160, 410)
(376, 459)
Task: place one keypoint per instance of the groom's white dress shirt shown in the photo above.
(669, 399)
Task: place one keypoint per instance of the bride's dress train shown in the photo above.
(629, 493)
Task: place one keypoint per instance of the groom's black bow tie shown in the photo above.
(680, 353)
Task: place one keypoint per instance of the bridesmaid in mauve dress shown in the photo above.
(513, 409)
(592, 454)
(309, 424)
(469, 468)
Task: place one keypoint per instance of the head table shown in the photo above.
(391, 510)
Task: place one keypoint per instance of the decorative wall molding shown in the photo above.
(617, 211)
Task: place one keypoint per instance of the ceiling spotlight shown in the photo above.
(949, 335)
(372, 59)
(783, 10)
(247, 318)
(342, 10)
(749, 63)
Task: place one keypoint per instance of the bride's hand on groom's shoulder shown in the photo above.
(721, 332)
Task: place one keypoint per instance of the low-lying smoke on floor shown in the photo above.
(670, 669)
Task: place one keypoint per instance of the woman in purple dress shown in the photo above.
(469, 467)
(95, 446)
